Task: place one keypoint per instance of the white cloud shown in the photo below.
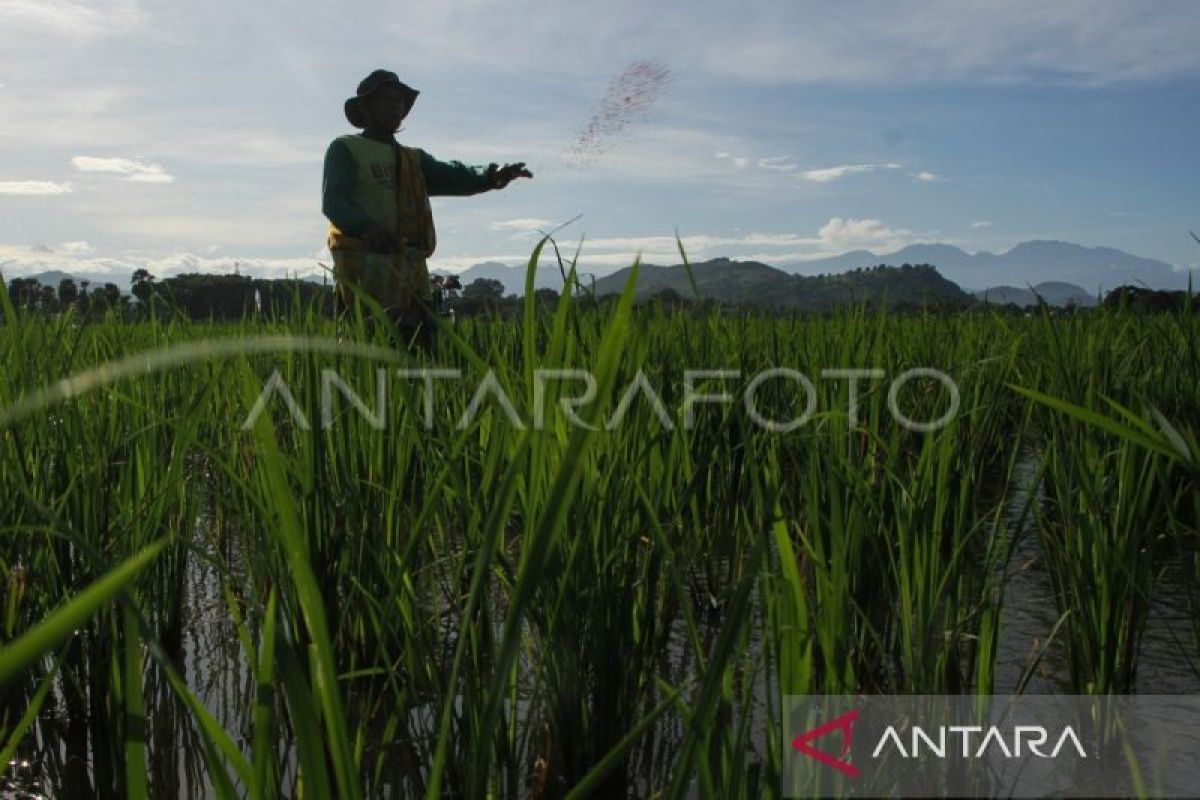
(135, 171)
(982, 223)
(781, 163)
(836, 236)
(525, 225)
(927, 177)
(151, 177)
(34, 187)
(827, 174)
(19, 260)
(777, 163)
(75, 248)
(69, 19)
(840, 235)
(738, 161)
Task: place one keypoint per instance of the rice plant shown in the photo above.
(382, 586)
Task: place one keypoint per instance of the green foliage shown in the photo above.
(490, 609)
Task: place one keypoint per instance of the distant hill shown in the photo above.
(718, 279)
(754, 283)
(513, 278)
(1054, 293)
(1090, 268)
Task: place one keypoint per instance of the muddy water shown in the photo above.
(1167, 662)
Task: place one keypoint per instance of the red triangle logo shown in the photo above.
(845, 724)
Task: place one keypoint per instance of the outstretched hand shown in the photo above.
(502, 176)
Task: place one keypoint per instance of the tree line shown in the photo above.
(204, 296)
(210, 296)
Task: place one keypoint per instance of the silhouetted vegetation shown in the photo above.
(1142, 300)
(732, 287)
(31, 295)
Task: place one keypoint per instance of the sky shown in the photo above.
(182, 137)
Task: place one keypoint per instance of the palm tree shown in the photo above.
(68, 293)
(143, 283)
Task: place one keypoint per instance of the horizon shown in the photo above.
(786, 134)
(548, 266)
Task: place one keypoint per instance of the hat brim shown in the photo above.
(356, 113)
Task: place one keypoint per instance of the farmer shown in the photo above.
(376, 196)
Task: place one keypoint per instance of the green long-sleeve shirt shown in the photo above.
(338, 187)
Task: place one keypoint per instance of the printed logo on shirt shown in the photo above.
(384, 172)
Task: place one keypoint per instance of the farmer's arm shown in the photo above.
(337, 193)
(453, 177)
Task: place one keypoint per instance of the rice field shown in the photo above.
(363, 592)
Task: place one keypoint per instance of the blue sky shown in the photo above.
(184, 136)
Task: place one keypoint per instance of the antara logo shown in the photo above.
(1033, 737)
(967, 741)
(845, 724)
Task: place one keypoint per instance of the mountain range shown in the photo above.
(1055, 293)
(1088, 270)
(1096, 269)
(1059, 272)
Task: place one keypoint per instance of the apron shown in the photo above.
(398, 281)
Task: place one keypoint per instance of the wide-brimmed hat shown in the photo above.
(356, 113)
